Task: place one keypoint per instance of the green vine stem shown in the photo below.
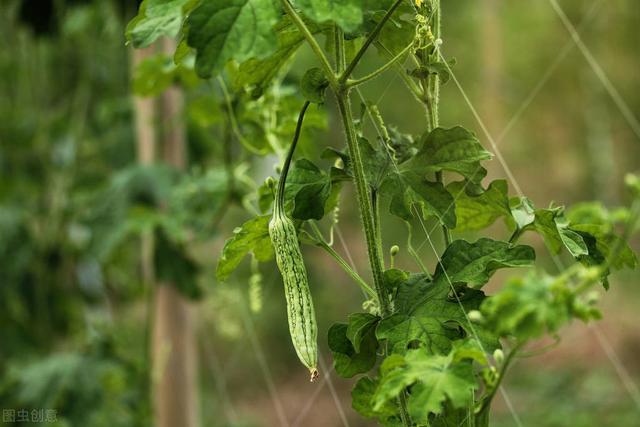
(287, 162)
(364, 201)
(482, 411)
(382, 69)
(321, 242)
(370, 39)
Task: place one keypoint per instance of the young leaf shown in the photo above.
(553, 227)
(527, 307)
(252, 237)
(222, 30)
(455, 149)
(361, 401)
(601, 242)
(311, 190)
(522, 212)
(434, 379)
(475, 263)
(476, 212)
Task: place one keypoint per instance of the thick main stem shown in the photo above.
(364, 201)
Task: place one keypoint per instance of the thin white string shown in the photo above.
(220, 380)
(547, 74)
(345, 248)
(349, 257)
(336, 398)
(264, 366)
(526, 103)
(622, 372)
(502, 389)
(307, 407)
(507, 400)
(498, 154)
(622, 105)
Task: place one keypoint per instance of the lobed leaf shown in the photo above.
(475, 263)
(428, 315)
(455, 149)
(475, 212)
(312, 191)
(408, 188)
(434, 380)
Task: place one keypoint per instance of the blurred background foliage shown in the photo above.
(74, 309)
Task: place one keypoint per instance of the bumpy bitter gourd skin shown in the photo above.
(300, 312)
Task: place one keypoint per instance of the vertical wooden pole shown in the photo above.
(145, 132)
(175, 388)
(492, 65)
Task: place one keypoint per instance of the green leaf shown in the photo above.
(260, 72)
(224, 30)
(456, 149)
(311, 190)
(360, 324)
(346, 360)
(553, 227)
(427, 314)
(314, 85)
(528, 307)
(589, 213)
(252, 237)
(408, 189)
(601, 242)
(346, 13)
(361, 400)
(376, 163)
(522, 212)
(157, 18)
(475, 263)
(397, 33)
(434, 380)
(475, 212)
